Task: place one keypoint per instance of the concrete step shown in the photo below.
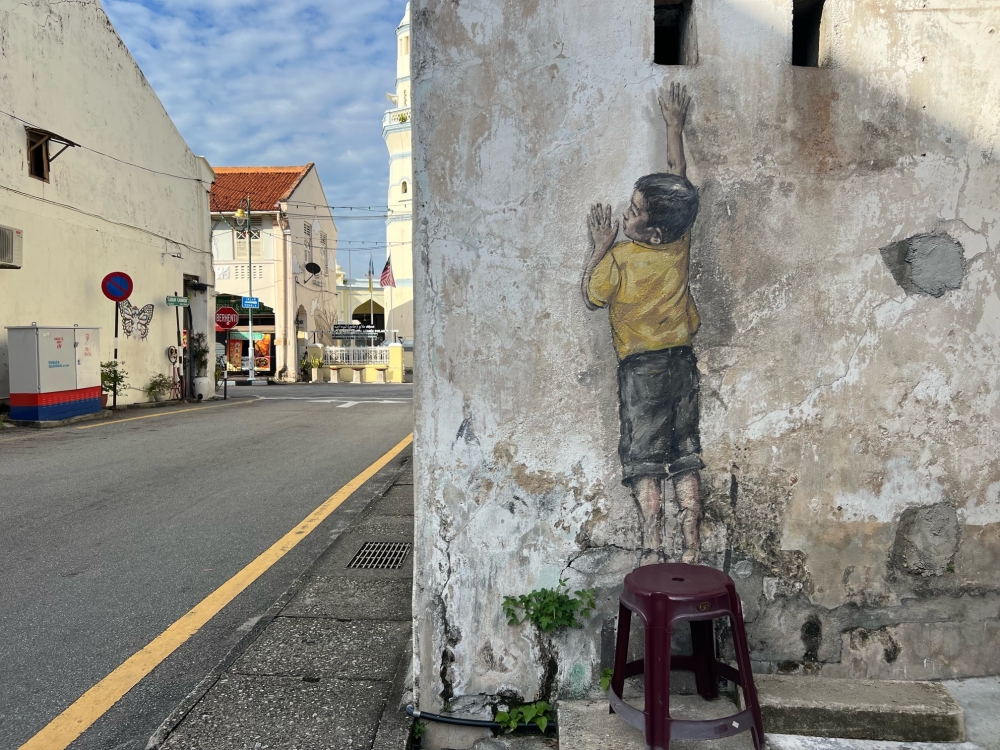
(800, 713)
(897, 710)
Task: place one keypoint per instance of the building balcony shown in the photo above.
(396, 120)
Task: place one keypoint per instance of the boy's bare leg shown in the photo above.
(648, 497)
(688, 490)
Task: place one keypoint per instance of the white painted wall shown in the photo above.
(65, 69)
(831, 401)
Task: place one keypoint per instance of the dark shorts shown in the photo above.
(658, 397)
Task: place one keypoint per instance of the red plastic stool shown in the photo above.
(675, 592)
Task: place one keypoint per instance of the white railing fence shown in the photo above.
(356, 355)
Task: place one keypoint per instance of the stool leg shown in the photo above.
(746, 673)
(621, 651)
(703, 643)
(657, 676)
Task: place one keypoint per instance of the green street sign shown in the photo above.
(177, 301)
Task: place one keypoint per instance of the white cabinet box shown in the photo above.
(55, 373)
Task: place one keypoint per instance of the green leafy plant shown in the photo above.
(538, 713)
(403, 117)
(159, 383)
(310, 363)
(199, 353)
(418, 729)
(606, 675)
(113, 377)
(550, 609)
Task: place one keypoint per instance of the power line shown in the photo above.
(106, 219)
(212, 185)
(114, 158)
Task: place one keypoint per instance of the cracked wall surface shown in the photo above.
(849, 421)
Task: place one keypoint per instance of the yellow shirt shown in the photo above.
(646, 287)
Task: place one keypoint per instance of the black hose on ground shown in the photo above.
(458, 720)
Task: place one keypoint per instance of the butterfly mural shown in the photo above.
(136, 320)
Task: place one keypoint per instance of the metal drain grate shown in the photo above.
(380, 556)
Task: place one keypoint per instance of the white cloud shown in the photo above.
(276, 83)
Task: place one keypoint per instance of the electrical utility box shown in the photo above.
(55, 373)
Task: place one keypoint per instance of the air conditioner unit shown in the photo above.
(11, 247)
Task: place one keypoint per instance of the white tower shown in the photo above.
(399, 224)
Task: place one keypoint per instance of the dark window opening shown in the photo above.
(403, 187)
(38, 155)
(807, 16)
(673, 42)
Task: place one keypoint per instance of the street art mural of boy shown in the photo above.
(643, 281)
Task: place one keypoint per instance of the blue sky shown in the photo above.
(277, 83)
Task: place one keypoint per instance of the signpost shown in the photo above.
(251, 303)
(117, 287)
(178, 302)
(226, 318)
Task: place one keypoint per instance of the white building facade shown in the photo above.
(96, 178)
(291, 228)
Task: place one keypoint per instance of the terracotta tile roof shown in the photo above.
(266, 186)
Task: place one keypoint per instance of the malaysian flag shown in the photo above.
(387, 277)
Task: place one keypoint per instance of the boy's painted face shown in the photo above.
(635, 221)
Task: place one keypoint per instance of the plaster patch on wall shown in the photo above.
(926, 264)
(933, 386)
(987, 510)
(903, 488)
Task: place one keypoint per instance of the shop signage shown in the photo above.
(226, 318)
(346, 331)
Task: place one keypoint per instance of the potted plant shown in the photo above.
(203, 387)
(310, 367)
(159, 386)
(113, 380)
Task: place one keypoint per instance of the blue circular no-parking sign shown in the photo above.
(117, 286)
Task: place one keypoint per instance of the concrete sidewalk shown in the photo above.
(328, 669)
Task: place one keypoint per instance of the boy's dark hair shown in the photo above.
(671, 202)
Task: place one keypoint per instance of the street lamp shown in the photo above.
(242, 216)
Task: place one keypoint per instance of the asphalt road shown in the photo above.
(111, 533)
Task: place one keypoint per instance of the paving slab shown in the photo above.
(393, 526)
(324, 648)
(897, 710)
(398, 501)
(979, 697)
(790, 742)
(587, 725)
(395, 726)
(244, 712)
(348, 599)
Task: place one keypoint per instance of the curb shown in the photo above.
(180, 712)
(106, 413)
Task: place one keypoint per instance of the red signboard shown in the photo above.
(226, 318)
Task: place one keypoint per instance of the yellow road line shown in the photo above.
(93, 704)
(159, 414)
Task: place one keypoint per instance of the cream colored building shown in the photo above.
(399, 223)
(97, 179)
(291, 226)
(357, 301)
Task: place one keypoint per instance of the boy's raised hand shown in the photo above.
(675, 106)
(603, 232)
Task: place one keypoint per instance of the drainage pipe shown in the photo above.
(458, 720)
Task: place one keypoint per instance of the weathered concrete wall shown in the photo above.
(849, 374)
